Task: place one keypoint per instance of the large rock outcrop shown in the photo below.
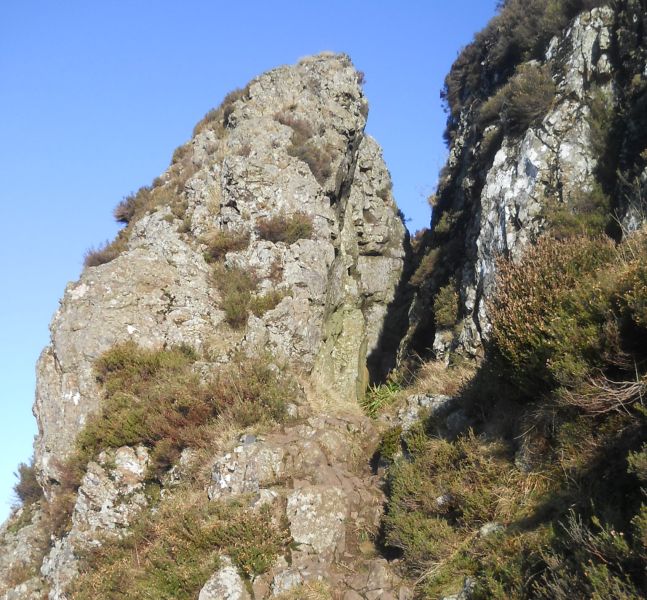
(291, 143)
(501, 182)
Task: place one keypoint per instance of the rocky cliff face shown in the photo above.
(279, 189)
(510, 168)
(274, 231)
(293, 143)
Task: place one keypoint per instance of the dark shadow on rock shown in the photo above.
(396, 322)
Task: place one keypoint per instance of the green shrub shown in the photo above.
(255, 390)
(585, 213)
(155, 398)
(447, 223)
(550, 314)
(531, 93)
(222, 241)
(591, 562)
(172, 553)
(27, 488)
(378, 397)
(259, 305)
(600, 119)
(520, 32)
(523, 102)
(446, 306)
(304, 147)
(285, 228)
(390, 443)
(318, 159)
(218, 118)
(235, 286)
(443, 494)
(426, 268)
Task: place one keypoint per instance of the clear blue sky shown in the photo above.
(94, 97)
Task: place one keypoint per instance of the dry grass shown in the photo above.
(171, 552)
(106, 252)
(313, 590)
(222, 241)
(285, 228)
(434, 377)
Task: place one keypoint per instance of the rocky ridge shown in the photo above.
(290, 145)
(338, 284)
(501, 182)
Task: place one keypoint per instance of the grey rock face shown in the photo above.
(21, 549)
(316, 515)
(506, 197)
(110, 497)
(437, 405)
(293, 144)
(225, 584)
(556, 155)
(156, 293)
(305, 474)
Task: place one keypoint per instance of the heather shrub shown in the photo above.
(218, 118)
(285, 228)
(170, 554)
(107, 252)
(155, 398)
(551, 310)
(27, 488)
(255, 390)
(235, 286)
(427, 266)
(584, 213)
(446, 306)
(222, 241)
(260, 304)
(304, 146)
(442, 494)
(601, 118)
(520, 32)
(591, 561)
(522, 102)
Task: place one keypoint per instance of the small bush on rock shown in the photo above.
(107, 252)
(222, 241)
(446, 306)
(156, 398)
(285, 228)
(172, 553)
(304, 146)
(235, 286)
(585, 213)
(523, 102)
(27, 488)
(259, 305)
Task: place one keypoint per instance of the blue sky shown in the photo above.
(95, 96)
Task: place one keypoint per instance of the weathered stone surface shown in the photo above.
(32, 589)
(246, 469)
(506, 198)
(225, 584)
(22, 544)
(110, 497)
(437, 405)
(158, 292)
(316, 515)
